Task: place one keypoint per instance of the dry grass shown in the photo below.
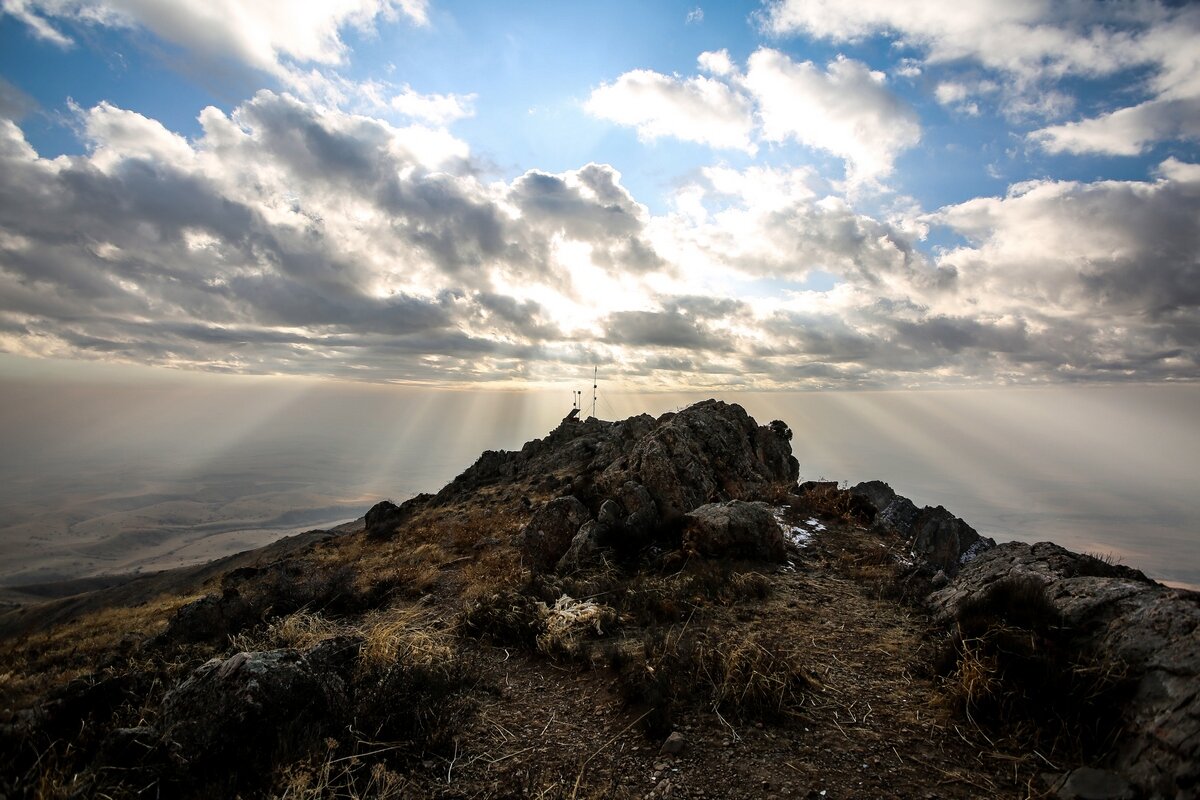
(32, 666)
(340, 776)
(755, 676)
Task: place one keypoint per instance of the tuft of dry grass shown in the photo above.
(755, 676)
(332, 775)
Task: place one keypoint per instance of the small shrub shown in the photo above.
(506, 618)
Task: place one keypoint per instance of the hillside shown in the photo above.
(650, 607)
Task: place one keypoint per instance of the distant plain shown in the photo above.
(102, 478)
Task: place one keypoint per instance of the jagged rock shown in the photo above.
(1150, 631)
(249, 705)
(734, 529)
(585, 549)
(643, 514)
(934, 535)
(899, 516)
(945, 541)
(877, 493)
(707, 452)
(211, 618)
(546, 538)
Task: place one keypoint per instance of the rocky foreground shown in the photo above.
(643, 608)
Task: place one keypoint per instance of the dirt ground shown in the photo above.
(871, 724)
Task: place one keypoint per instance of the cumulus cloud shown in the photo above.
(694, 109)
(264, 34)
(845, 109)
(1036, 43)
(293, 238)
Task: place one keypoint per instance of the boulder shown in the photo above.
(877, 493)
(585, 549)
(546, 537)
(734, 529)
(1088, 783)
(382, 519)
(1150, 631)
(251, 705)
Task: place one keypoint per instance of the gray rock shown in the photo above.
(547, 536)
(212, 617)
(734, 529)
(642, 518)
(877, 493)
(245, 704)
(585, 549)
(382, 519)
(1087, 783)
(1117, 613)
(898, 516)
(945, 541)
(674, 744)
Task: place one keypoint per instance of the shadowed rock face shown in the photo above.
(641, 474)
(935, 536)
(1152, 630)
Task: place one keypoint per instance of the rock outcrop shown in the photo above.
(935, 536)
(1149, 631)
(708, 452)
(643, 476)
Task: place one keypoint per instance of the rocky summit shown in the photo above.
(653, 607)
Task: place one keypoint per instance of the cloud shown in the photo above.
(695, 16)
(694, 109)
(263, 34)
(1035, 44)
(1126, 131)
(845, 109)
(1028, 39)
(290, 237)
(1070, 248)
(438, 109)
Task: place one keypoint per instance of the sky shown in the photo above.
(789, 194)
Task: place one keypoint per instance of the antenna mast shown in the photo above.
(595, 382)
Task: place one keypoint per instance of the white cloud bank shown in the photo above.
(845, 109)
(290, 237)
